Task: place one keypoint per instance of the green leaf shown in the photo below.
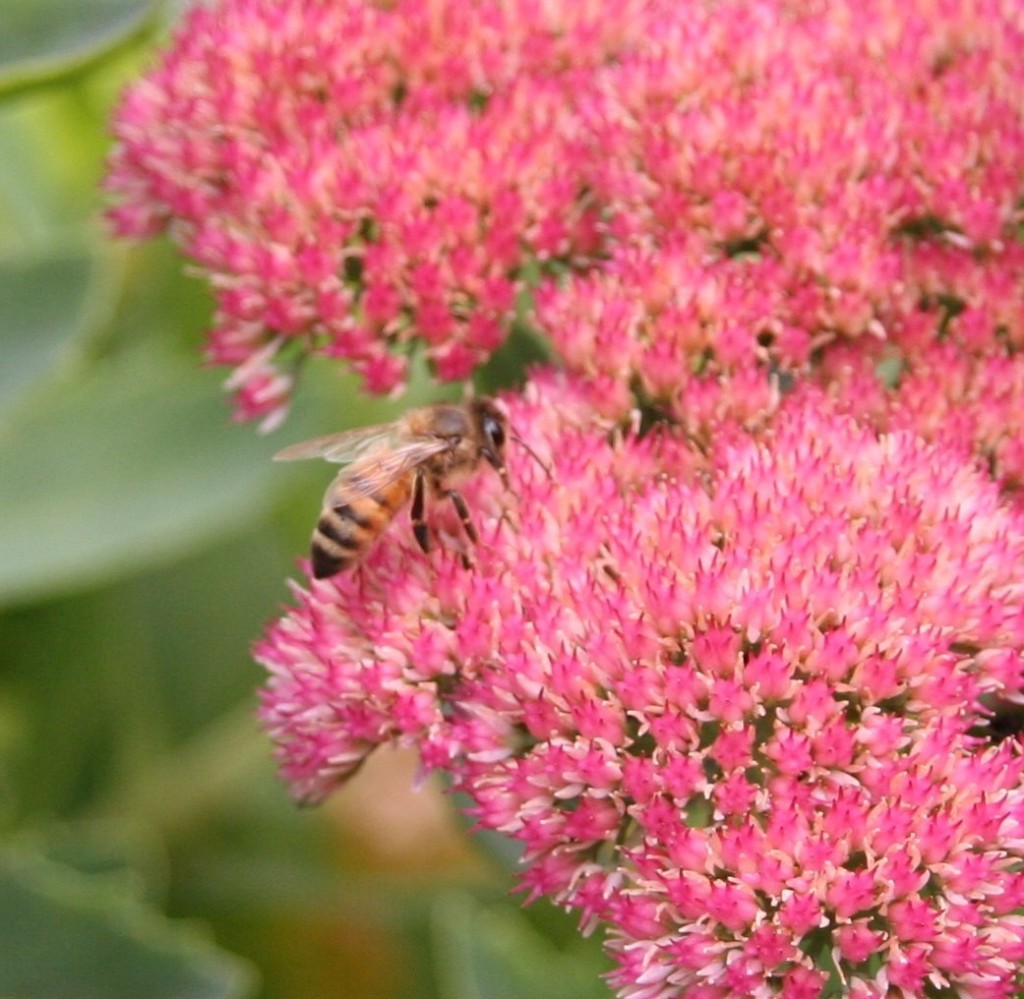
(144, 680)
(68, 935)
(134, 465)
(42, 40)
(128, 855)
(45, 306)
(492, 952)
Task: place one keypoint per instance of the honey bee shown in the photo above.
(429, 452)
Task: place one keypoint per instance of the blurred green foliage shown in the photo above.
(148, 848)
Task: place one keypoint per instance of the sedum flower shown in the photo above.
(358, 177)
(701, 195)
(786, 186)
(731, 705)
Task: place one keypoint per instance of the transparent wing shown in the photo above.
(376, 471)
(346, 447)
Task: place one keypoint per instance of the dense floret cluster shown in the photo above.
(728, 708)
(699, 194)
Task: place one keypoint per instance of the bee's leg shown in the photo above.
(419, 524)
(509, 516)
(463, 511)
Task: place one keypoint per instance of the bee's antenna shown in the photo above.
(533, 454)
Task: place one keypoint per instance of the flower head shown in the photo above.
(786, 187)
(355, 177)
(728, 705)
(704, 193)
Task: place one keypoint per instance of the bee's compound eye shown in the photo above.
(495, 431)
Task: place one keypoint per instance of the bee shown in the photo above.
(428, 453)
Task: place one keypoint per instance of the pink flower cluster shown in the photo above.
(731, 705)
(791, 180)
(708, 194)
(357, 177)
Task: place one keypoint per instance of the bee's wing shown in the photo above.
(343, 448)
(379, 469)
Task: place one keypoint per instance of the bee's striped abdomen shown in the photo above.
(348, 527)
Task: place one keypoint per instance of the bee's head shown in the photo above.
(493, 425)
(492, 422)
